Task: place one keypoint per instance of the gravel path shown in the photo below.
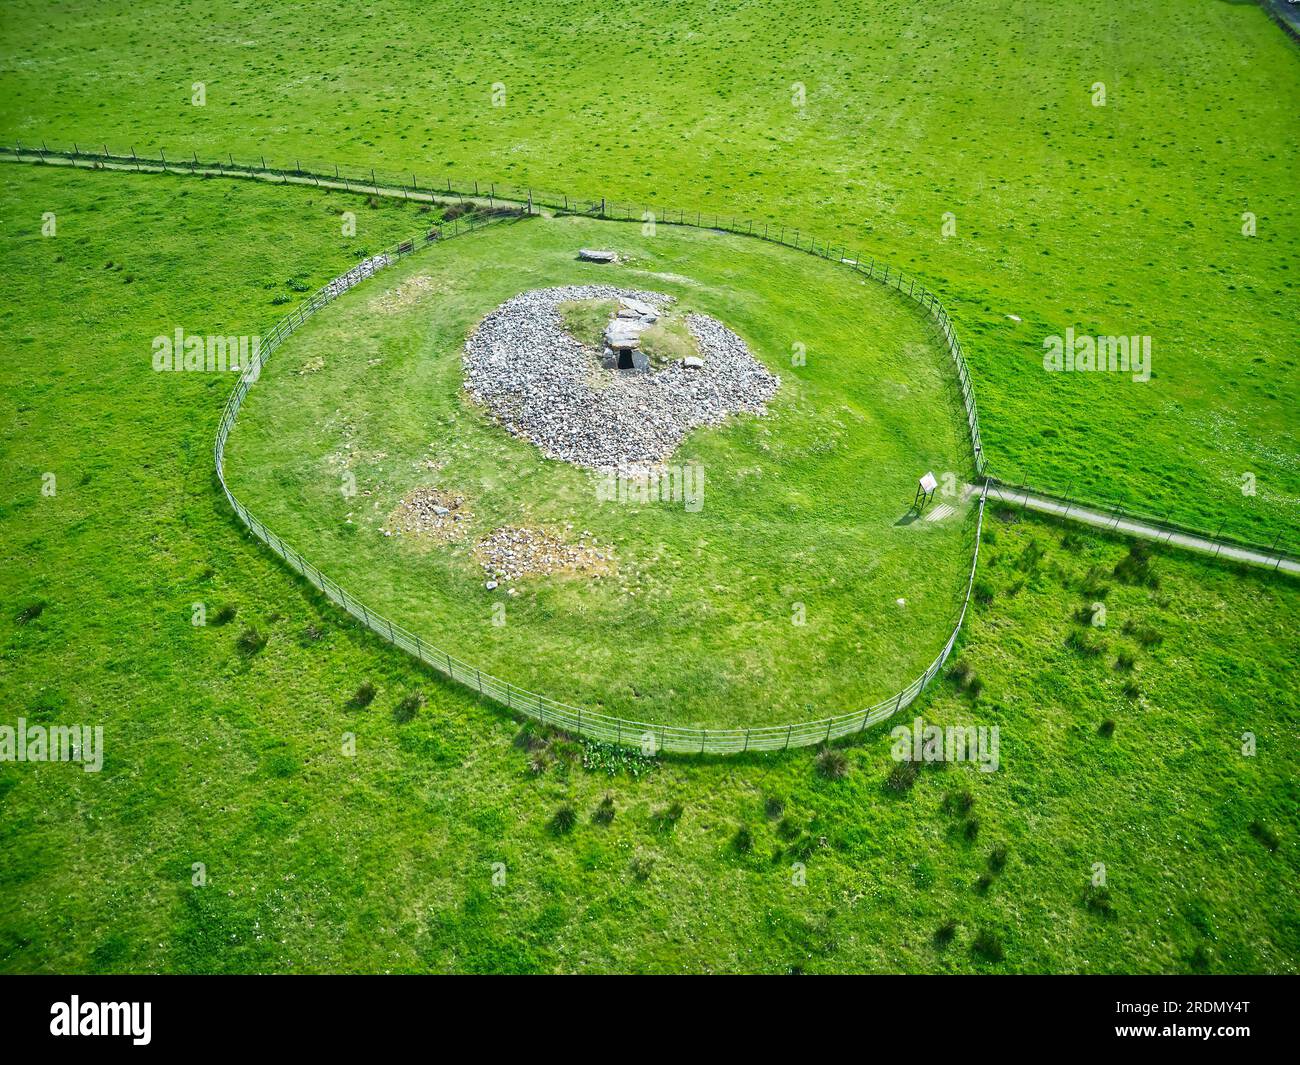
(544, 385)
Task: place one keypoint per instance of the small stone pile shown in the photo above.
(545, 386)
(512, 552)
(430, 514)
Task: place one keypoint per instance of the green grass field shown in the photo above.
(430, 831)
(774, 601)
(1119, 219)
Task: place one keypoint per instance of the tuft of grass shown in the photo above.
(958, 803)
(665, 818)
(945, 933)
(743, 840)
(408, 707)
(983, 884)
(30, 612)
(998, 857)
(902, 777)
(971, 829)
(1136, 566)
(987, 945)
(773, 808)
(563, 820)
(1094, 584)
(1147, 635)
(1097, 899)
(224, 615)
(250, 641)
(1086, 642)
(1107, 728)
(832, 763)
(1265, 835)
(604, 813)
(641, 866)
(362, 697)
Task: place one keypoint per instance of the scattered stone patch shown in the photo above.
(404, 295)
(546, 386)
(513, 552)
(431, 514)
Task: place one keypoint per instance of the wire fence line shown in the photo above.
(387, 183)
(1275, 556)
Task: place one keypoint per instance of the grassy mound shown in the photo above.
(774, 597)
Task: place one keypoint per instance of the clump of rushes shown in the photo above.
(1097, 899)
(665, 817)
(563, 820)
(963, 675)
(1107, 728)
(831, 763)
(1094, 584)
(998, 858)
(773, 807)
(972, 829)
(30, 612)
(362, 697)
(960, 672)
(958, 802)
(1085, 642)
(642, 865)
(409, 706)
(605, 811)
(250, 641)
(743, 841)
(901, 777)
(983, 593)
(225, 615)
(987, 945)
(943, 935)
(983, 884)
(1146, 635)
(1135, 567)
(1265, 835)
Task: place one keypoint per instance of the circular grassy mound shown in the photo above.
(782, 579)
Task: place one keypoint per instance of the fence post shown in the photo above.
(788, 731)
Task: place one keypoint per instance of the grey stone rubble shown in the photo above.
(511, 553)
(545, 386)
